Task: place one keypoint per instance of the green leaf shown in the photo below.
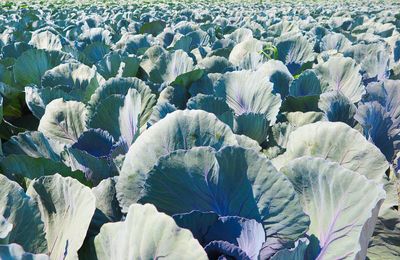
(178, 130)
(341, 74)
(32, 64)
(154, 27)
(31, 168)
(46, 40)
(121, 86)
(34, 144)
(146, 234)
(21, 211)
(64, 121)
(231, 182)
(343, 206)
(162, 66)
(66, 207)
(248, 91)
(107, 207)
(188, 78)
(339, 143)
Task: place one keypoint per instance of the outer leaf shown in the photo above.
(121, 116)
(32, 168)
(337, 107)
(162, 66)
(178, 130)
(300, 104)
(64, 121)
(114, 64)
(38, 98)
(74, 75)
(213, 105)
(294, 51)
(297, 119)
(106, 114)
(1, 108)
(107, 208)
(66, 207)
(14, 50)
(134, 44)
(154, 27)
(280, 132)
(82, 80)
(32, 64)
(387, 93)
(94, 52)
(341, 74)
(385, 242)
(21, 211)
(336, 142)
(146, 234)
(161, 110)
(307, 84)
(186, 79)
(175, 95)
(231, 182)
(277, 73)
(121, 86)
(380, 128)
(247, 142)
(343, 206)
(334, 41)
(46, 40)
(33, 144)
(214, 64)
(245, 47)
(252, 125)
(247, 91)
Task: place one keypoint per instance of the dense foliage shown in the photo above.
(200, 131)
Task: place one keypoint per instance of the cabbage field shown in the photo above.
(199, 130)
